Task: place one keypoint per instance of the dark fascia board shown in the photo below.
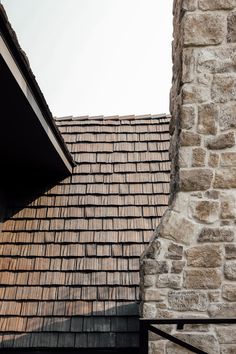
(9, 38)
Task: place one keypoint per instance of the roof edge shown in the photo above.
(115, 117)
(11, 38)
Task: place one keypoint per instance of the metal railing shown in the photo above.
(146, 325)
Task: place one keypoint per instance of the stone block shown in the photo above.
(230, 270)
(228, 349)
(216, 4)
(206, 211)
(228, 206)
(229, 292)
(149, 310)
(151, 267)
(175, 251)
(202, 278)
(216, 235)
(225, 178)
(222, 310)
(177, 228)
(187, 301)
(203, 29)
(195, 93)
(172, 281)
(198, 158)
(208, 115)
(228, 159)
(205, 256)
(230, 251)
(154, 295)
(195, 179)
(212, 194)
(224, 88)
(157, 347)
(204, 342)
(149, 280)
(185, 157)
(216, 60)
(231, 27)
(214, 295)
(189, 5)
(227, 115)
(188, 65)
(189, 139)
(187, 116)
(221, 141)
(213, 160)
(153, 249)
(177, 266)
(226, 335)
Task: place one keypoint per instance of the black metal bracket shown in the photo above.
(146, 325)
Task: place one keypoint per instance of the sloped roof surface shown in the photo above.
(69, 261)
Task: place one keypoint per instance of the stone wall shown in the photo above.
(189, 268)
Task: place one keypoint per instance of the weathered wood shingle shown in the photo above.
(69, 260)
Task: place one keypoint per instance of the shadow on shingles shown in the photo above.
(98, 332)
(20, 190)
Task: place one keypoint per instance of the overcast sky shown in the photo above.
(94, 57)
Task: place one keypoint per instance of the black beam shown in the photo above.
(175, 340)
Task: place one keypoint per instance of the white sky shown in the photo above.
(94, 57)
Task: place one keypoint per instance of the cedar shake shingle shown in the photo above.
(69, 259)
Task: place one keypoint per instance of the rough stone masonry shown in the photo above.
(189, 267)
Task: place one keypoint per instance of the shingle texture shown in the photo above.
(69, 264)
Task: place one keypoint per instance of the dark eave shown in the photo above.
(18, 65)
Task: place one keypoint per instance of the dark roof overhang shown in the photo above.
(29, 138)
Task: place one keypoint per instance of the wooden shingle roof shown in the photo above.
(69, 260)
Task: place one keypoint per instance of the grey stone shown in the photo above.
(228, 159)
(216, 4)
(202, 278)
(230, 270)
(199, 156)
(177, 228)
(227, 115)
(188, 65)
(216, 235)
(231, 27)
(205, 256)
(189, 139)
(224, 88)
(203, 29)
(149, 310)
(225, 178)
(155, 294)
(187, 301)
(206, 211)
(195, 93)
(208, 115)
(221, 141)
(177, 266)
(175, 251)
(213, 160)
(216, 60)
(228, 349)
(195, 179)
(228, 206)
(230, 251)
(151, 266)
(225, 309)
(226, 335)
(229, 292)
(188, 116)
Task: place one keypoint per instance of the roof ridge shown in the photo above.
(114, 117)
